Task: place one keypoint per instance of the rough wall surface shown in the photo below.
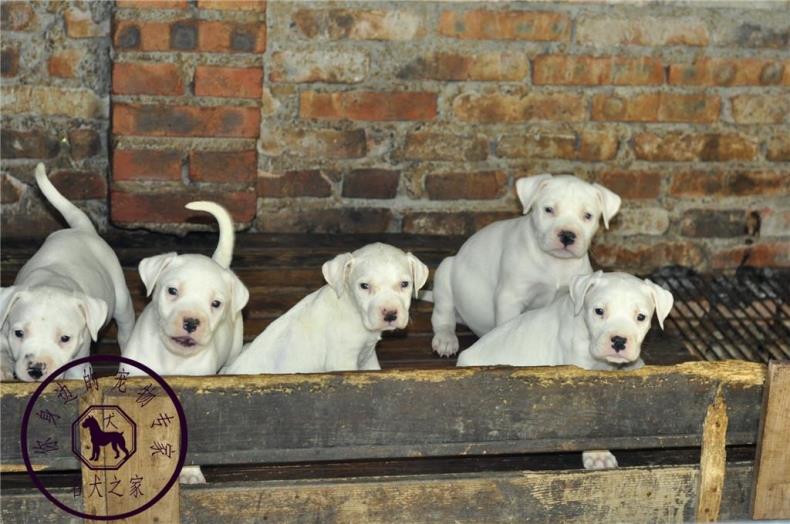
(54, 103)
(418, 117)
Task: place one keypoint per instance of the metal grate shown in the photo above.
(744, 316)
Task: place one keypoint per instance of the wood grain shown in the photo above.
(713, 460)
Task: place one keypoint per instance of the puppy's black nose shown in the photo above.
(36, 371)
(191, 324)
(618, 343)
(390, 316)
(567, 238)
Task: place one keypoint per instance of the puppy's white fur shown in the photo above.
(515, 265)
(62, 297)
(336, 328)
(599, 323)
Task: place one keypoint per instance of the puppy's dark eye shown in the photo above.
(215, 304)
(404, 284)
(640, 317)
(587, 216)
(18, 333)
(65, 338)
(364, 285)
(598, 311)
(172, 291)
(548, 210)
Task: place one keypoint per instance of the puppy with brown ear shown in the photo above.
(337, 327)
(193, 325)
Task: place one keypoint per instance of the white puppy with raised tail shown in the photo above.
(599, 323)
(519, 264)
(62, 297)
(337, 327)
(193, 325)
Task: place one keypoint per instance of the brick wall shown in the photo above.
(55, 108)
(417, 117)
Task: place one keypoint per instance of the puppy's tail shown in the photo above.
(426, 295)
(75, 217)
(227, 237)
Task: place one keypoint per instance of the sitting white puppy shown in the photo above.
(519, 264)
(336, 328)
(193, 325)
(599, 323)
(62, 297)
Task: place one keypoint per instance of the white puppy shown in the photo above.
(514, 265)
(599, 323)
(336, 328)
(62, 297)
(193, 325)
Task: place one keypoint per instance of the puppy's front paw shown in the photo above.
(191, 475)
(445, 344)
(601, 459)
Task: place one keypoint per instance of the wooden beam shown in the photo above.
(772, 466)
(621, 495)
(713, 460)
(416, 413)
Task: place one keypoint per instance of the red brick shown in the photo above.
(80, 185)
(347, 220)
(466, 186)
(80, 24)
(656, 107)
(766, 254)
(147, 78)
(494, 66)
(483, 219)
(611, 31)
(589, 145)
(728, 72)
(761, 109)
(688, 147)
(308, 183)
(159, 120)
(32, 143)
(713, 223)
(436, 145)
(632, 184)
(141, 35)
(371, 183)
(335, 67)
(589, 70)
(367, 105)
(17, 16)
(223, 166)
(314, 143)
(359, 24)
(233, 5)
(84, 143)
(64, 64)
(445, 224)
(505, 25)
(166, 206)
(778, 149)
(642, 258)
(723, 184)
(230, 37)
(142, 164)
(9, 61)
(497, 107)
(230, 82)
(151, 4)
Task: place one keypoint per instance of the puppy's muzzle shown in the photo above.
(618, 343)
(190, 325)
(36, 370)
(390, 315)
(567, 238)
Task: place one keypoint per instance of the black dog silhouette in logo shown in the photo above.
(100, 438)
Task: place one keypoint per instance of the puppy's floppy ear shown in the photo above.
(419, 272)
(662, 299)
(336, 272)
(240, 294)
(95, 312)
(610, 203)
(8, 296)
(579, 286)
(527, 189)
(150, 268)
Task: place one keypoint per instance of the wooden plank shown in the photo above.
(772, 477)
(664, 494)
(712, 460)
(473, 411)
